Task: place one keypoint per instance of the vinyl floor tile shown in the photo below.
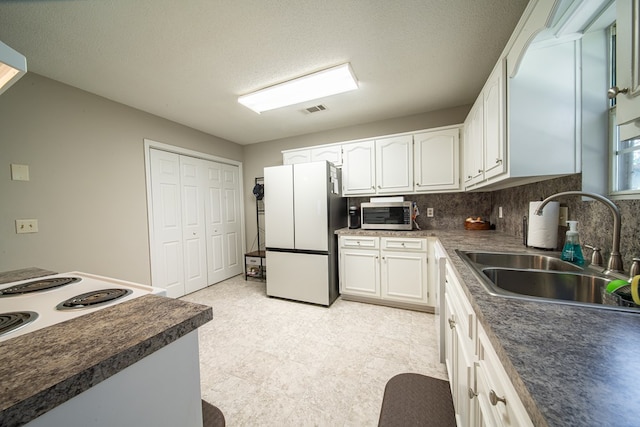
(271, 362)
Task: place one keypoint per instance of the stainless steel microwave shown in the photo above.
(386, 216)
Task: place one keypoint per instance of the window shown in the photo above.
(625, 155)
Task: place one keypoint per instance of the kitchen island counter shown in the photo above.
(571, 366)
(45, 368)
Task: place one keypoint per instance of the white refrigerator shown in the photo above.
(303, 208)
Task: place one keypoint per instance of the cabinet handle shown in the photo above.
(498, 161)
(373, 187)
(452, 323)
(379, 186)
(615, 91)
(469, 177)
(472, 393)
(479, 170)
(494, 399)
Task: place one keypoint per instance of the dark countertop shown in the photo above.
(45, 368)
(571, 366)
(23, 274)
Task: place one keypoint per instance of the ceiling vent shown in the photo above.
(315, 109)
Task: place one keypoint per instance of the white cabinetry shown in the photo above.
(533, 101)
(394, 165)
(359, 266)
(436, 157)
(383, 166)
(296, 156)
(498, 402)
(330, 153)
(484, 131)
(404, 270)
(460, 338)
(482, 393)
(359, 168)
(493, 96)
(391, 271)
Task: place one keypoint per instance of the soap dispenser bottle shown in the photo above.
(572, 251)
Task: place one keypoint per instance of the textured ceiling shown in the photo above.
(188, 60)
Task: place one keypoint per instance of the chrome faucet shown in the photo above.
(615, 259)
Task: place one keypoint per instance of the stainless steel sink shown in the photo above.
(547, 284)
(540, 277)
(521, 261)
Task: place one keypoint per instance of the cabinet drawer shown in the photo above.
(359, 242)
(255, 260)
(406, 243)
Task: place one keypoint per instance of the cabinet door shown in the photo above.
(297, 156)
(394, 165)
(404, 276)
(331, 154)
(359, 168)
(474, 145)
(494, 112)
(628, 67)
(437, 160)
(360, 272)
(498, 401)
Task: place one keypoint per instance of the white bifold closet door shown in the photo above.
(196, 222)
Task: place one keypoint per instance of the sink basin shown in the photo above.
(553, 285)
(540, 277)
(521, 261)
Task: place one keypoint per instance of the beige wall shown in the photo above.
(258, 156)
(87, 188)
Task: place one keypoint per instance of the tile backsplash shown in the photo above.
(595, 222)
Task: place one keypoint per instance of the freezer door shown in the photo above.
(311, 206)
(278, 206)
(299, 277)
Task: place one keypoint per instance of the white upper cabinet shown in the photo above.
(291, 157)
(394, 165)
(359, 168)
(330, 153)
(628, 68)
(436, 158)
(534, 101)
(493, 96)
(474, 144)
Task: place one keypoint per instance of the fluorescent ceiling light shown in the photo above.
(312, 86)
(12, 66)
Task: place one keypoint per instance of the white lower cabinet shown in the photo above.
(385, 269)
(460, 350)
(482, 393)
(498, 401)
(359, 266)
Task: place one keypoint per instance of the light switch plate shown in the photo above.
(19, 172)
(26, 226)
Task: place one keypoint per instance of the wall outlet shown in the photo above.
(500, 212)
(26, 226)
(563, 216)
(429, 212)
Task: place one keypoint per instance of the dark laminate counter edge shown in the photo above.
(23, 274)
(570, 365)
(47, 367)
